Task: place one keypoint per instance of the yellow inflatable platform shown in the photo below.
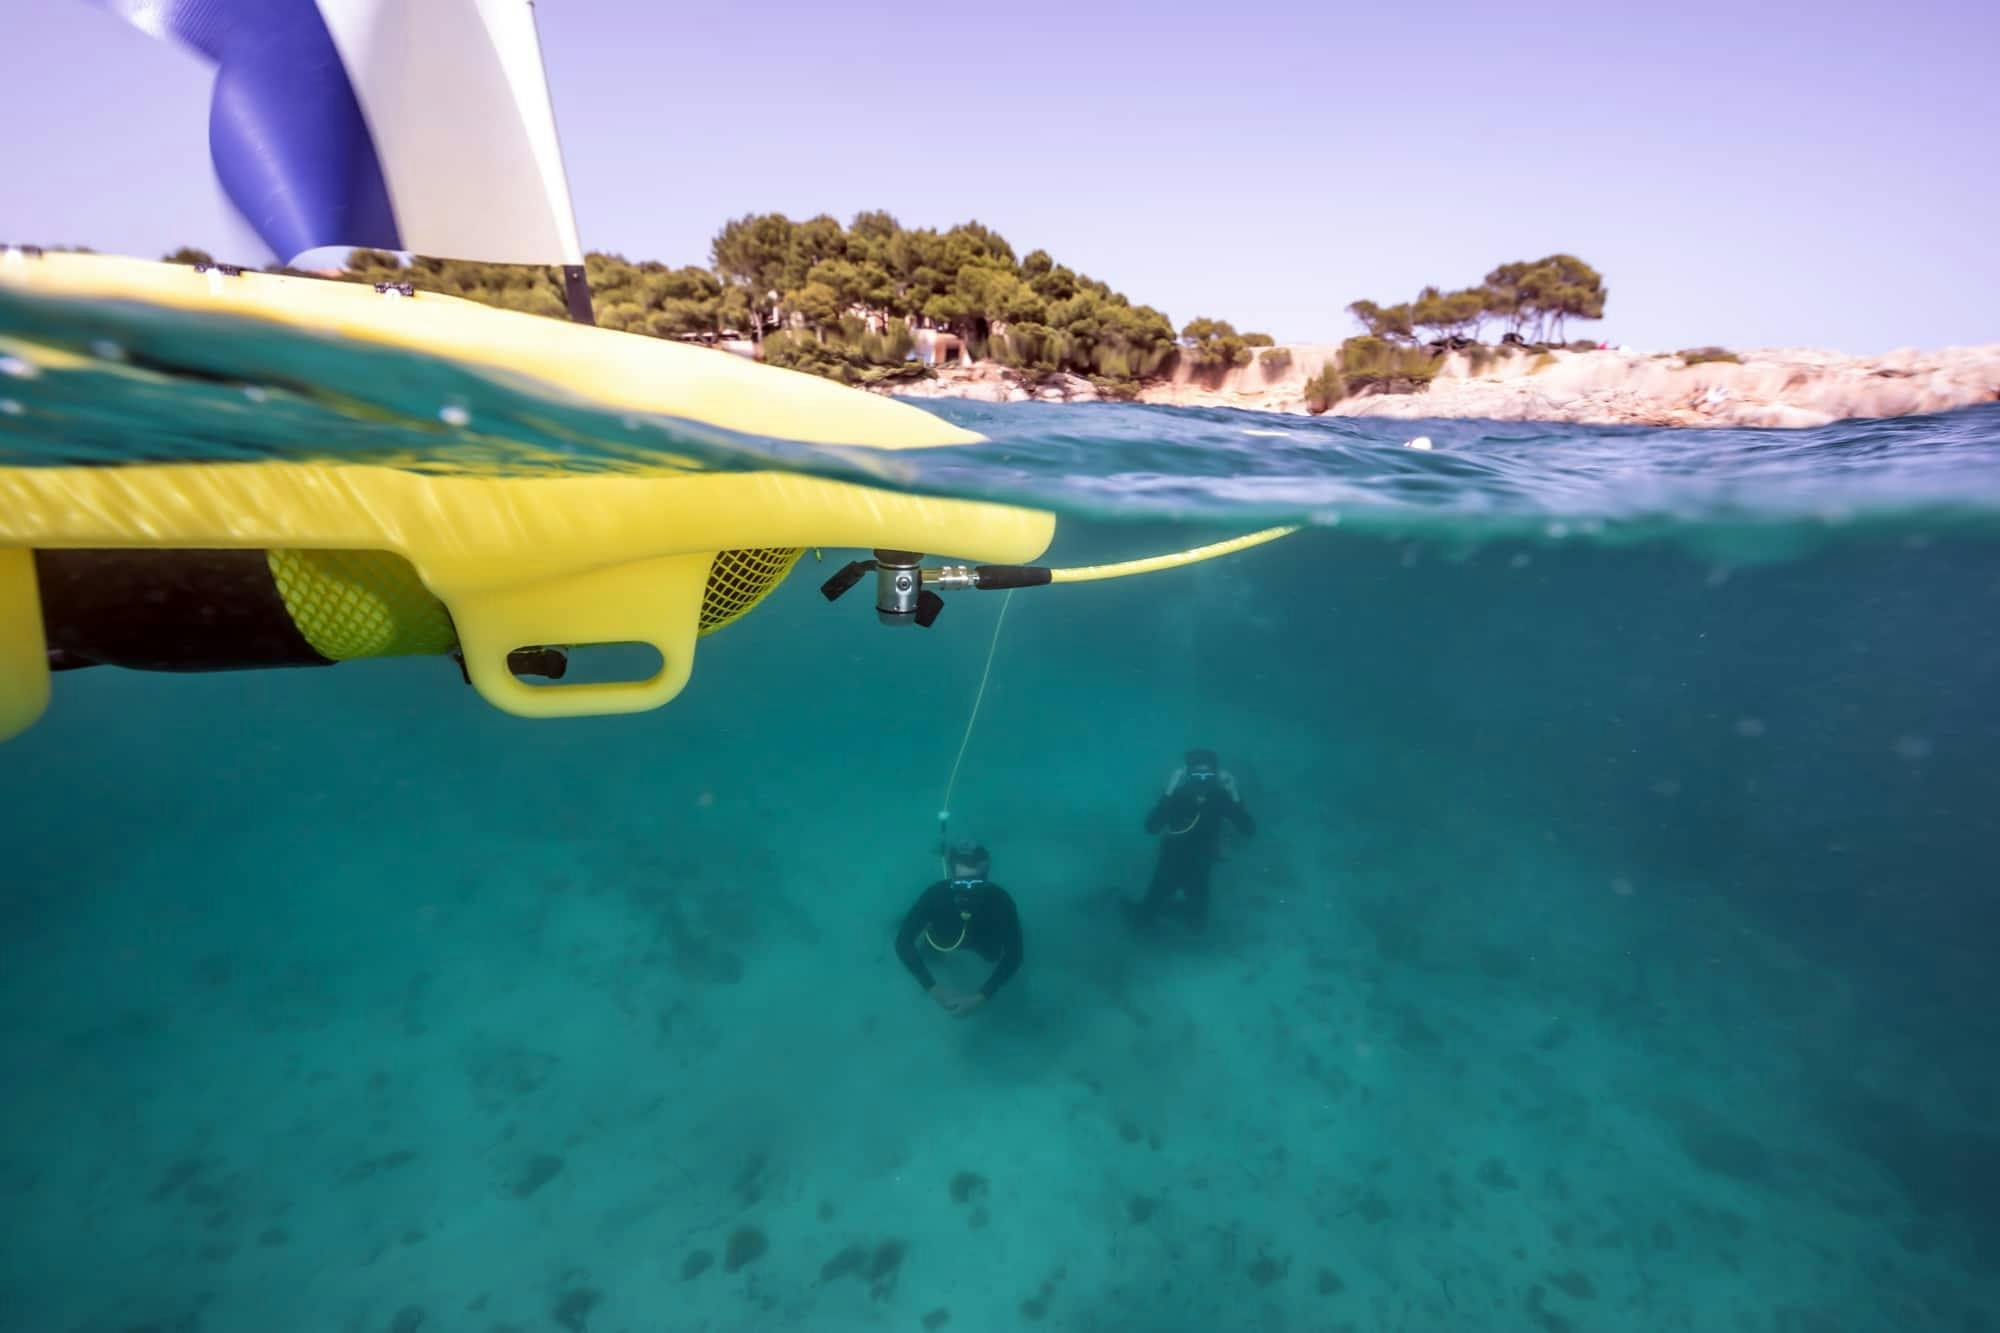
(359, 561)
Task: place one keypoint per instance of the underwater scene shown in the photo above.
(1551, 890)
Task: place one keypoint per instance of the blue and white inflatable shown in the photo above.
(408, 125)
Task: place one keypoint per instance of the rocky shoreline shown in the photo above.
(1769, 387)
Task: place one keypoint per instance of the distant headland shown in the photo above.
(1765, 387)
(920, 312)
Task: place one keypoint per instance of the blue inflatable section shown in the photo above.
(291, 147)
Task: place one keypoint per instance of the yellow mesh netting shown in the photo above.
(351, 604)
(740, 579)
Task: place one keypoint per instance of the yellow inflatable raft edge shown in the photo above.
(517, 561)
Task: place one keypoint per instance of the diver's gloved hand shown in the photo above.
(1228, 781)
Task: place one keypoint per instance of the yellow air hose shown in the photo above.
(1173, 560)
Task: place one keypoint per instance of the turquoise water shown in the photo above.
(1614, 950)
(159, 385)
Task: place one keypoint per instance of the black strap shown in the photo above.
(155, 610)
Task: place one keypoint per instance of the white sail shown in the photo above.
(457, 100)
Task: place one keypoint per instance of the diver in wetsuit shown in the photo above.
(1199, 797)
(966, 911)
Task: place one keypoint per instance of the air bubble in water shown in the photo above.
(451, 414)
(17, 368)
(1750, 726)
(106, 350)
(10, 408)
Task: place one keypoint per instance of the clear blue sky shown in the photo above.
(1743, 173)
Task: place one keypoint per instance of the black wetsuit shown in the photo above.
(1189, 851)
(981, 919)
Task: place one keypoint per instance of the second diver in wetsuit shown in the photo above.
(1189, 819)
(967, 911)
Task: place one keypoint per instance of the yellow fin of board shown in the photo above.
(24, 661)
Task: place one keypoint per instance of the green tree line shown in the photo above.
(846, 301)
